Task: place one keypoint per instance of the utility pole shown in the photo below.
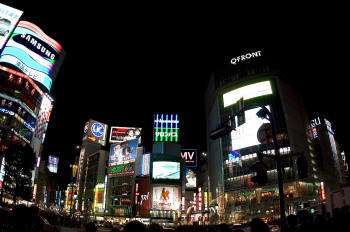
(263, 113)
(229, 125)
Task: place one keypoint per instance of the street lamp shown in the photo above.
(264, 113)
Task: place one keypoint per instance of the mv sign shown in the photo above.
(190, 157)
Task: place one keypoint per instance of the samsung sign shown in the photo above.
(34, 53)
(247, 56)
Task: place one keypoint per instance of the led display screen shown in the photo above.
(121, 153)
(53, 164)
(165, 197)
(247, 92)
(166, 128)
(8, 19)
(122, 134)
(166, 170)
(246, 134)
(34, 53)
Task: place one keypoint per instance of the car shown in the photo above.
(5, 26)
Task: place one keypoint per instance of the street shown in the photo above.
(81, 229)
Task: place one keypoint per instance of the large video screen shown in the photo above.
(246, 134)
(121, 153)
(165, 197)
(166, 170)
(247, 92)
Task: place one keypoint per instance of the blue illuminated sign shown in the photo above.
(97, 129)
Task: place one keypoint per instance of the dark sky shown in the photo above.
(123, 64)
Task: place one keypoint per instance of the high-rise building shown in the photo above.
(255, 81)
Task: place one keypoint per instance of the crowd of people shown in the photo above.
(32, 219)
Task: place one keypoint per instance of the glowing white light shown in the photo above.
(247, 92)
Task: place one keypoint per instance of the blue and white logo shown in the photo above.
(97, 129)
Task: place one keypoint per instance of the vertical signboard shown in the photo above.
(8, 19)
(166, 128)
(144, 196)
(146, 164)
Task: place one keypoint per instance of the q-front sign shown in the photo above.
(247, 56)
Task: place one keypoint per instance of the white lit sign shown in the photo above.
(246, 134)
(8, 18)
(247, 56)
(247, 92)
(165, 197)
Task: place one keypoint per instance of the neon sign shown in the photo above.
(166, 128)
(247, 56)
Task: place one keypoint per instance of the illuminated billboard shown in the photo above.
(166, 170)
(34, 53)
(165, 198)
(122, 134)
(121, 153)
(121, 170)
(190, 157)
(166, 128)
(247, 92)
(53, 163)
(246, 134)
(95, 132)
(191, 180)
(43, 117)
(8, 19)
(145, 164)
(143, 195)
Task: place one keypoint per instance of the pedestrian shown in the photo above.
(90, 227)
(258, 225)
(133, 226)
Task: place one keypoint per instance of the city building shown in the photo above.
(29, 63)
(255, 80)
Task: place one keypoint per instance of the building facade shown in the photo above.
(230, 157)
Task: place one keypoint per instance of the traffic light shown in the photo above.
(224, 129)
(261, 173)
(302, 167)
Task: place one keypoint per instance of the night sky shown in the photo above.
(124, 64)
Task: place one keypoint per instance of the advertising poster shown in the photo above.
(166, 170)
(122, 134)
(191, 180)
(53, 164)
(246, 134)
(8, 19)
(121, 153)
(165, 197)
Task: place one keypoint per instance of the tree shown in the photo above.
(19, 164)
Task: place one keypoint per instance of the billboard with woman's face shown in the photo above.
(121, 153)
